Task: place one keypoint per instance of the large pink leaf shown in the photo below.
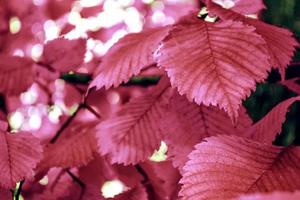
(214, 63)
(16, 74)
(64, 55)
(271, 196)
(227, 166)
(269, 126)
(75, 147)
(280, 42)
(186, 124)
(242, 6)
(134, 133)
(128, 56)
(19, 154)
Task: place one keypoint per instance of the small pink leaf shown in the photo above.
(280, 42)
(214, 63)
(19, 154)
(269, 126)
(75, 147)
(128, 56)
(134, 133)
(64, 55)
(16, 74)
(224, 167)
(186, 124)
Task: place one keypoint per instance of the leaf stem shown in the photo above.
(19, 190)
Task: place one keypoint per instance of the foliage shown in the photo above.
(91, 91)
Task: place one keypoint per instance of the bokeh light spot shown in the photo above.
(160, 154)
(112, 188)
(14, 25)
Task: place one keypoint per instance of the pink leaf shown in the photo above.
(133, 134)
(64, 55)
(280, 42)
(269, 126)
(271, 196)
(12, 74)
(227, 166)
(186, 124)
(214, 63)
(19, 154)
(75, 147)
(128, 56)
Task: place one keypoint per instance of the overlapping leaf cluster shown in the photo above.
(206, 70)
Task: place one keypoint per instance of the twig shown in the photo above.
(3, 105)
(75, 178)
(294, 64)
(46, 90)
(18, 193)
(66, 124)
(143, 173)
(89, 108)
(78, 181)
(44, 65)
